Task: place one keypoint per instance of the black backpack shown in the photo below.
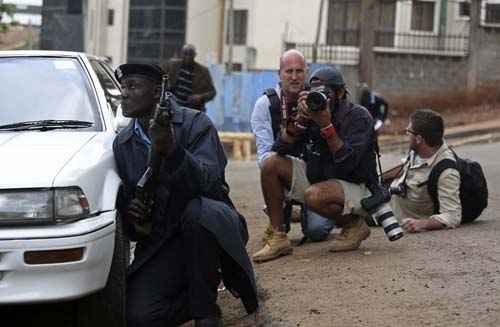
(473, 186)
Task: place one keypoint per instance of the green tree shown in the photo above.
(5, 9)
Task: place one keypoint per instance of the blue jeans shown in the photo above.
(315, 227)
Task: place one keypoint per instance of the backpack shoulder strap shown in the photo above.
(274, 109)
(432, 184)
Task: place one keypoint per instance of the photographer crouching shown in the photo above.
(338, 170)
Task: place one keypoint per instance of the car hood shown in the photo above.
(33, 159)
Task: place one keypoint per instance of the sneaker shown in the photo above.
(278, 245)
(351, 236)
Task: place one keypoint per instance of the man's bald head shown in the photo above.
(292, 72)
(188, 53)
(292, 55)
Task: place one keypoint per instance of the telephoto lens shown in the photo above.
(316, 99)
(378, 207)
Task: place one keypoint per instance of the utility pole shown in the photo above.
(318, 31)
(474, 37)
(366, 42)
(231, 37)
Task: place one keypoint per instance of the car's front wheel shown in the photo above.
(107, 307)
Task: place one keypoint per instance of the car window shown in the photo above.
(46, 88)
(111, 88)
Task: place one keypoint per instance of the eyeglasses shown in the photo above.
(410, 131)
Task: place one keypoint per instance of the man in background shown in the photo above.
(191, 82)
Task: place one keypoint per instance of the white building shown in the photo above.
(106, 28)
(262, 26)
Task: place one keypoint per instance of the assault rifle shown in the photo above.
(146, 186)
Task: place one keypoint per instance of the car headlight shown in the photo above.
(42, 206)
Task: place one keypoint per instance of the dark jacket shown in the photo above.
(355, 162)
(195, 171)
(375, 104)
(202, 81)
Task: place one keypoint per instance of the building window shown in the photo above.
(463, 9)
(343, 22)
(239, 27)
(422, 15)
(492, 13)
(75, 7)
(111, 17)
(386, 24)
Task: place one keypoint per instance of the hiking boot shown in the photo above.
(268, 233)
(351, 236)
(276, 246)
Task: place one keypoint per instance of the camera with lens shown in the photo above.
(377, 205)
(317, 98)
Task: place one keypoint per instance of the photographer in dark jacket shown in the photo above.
(197, 236)
(332, 179)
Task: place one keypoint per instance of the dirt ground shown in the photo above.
(442, 278)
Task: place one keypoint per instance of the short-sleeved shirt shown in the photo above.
(418, 204)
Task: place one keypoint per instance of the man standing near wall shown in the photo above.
(191, 81)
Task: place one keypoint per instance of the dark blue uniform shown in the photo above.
(197, 233)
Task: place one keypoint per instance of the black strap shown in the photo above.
(274, 110)
(432, 183)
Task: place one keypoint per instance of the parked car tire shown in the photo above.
(108, 307)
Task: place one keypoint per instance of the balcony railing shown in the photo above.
(323, 53)
(448, 44)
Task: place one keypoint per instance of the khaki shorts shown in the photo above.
(353, 193)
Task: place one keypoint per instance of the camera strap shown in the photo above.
(408, 163)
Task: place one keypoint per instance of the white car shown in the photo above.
(60, 238)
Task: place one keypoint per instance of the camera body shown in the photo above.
(317, 98)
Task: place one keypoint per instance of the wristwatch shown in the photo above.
(327, 132)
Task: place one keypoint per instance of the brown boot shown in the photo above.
(351, 236)
(276, 246)
(268, 233)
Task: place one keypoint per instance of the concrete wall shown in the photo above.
(488, 68)
(204, 28)
(117, 34)
(102, 39)
(412, 74)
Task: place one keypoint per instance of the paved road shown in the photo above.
(441, 278)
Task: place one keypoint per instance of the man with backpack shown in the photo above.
(434, 188)
(266, 122)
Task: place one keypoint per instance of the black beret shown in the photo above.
(151, 71)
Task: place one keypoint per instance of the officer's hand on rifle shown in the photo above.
(163, 138)
(136, 211)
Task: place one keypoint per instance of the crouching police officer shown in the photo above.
(339, 162)
(197, 236)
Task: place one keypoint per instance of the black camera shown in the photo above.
(317, 98)
(377, 205)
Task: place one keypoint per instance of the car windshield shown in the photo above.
(40, 91)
